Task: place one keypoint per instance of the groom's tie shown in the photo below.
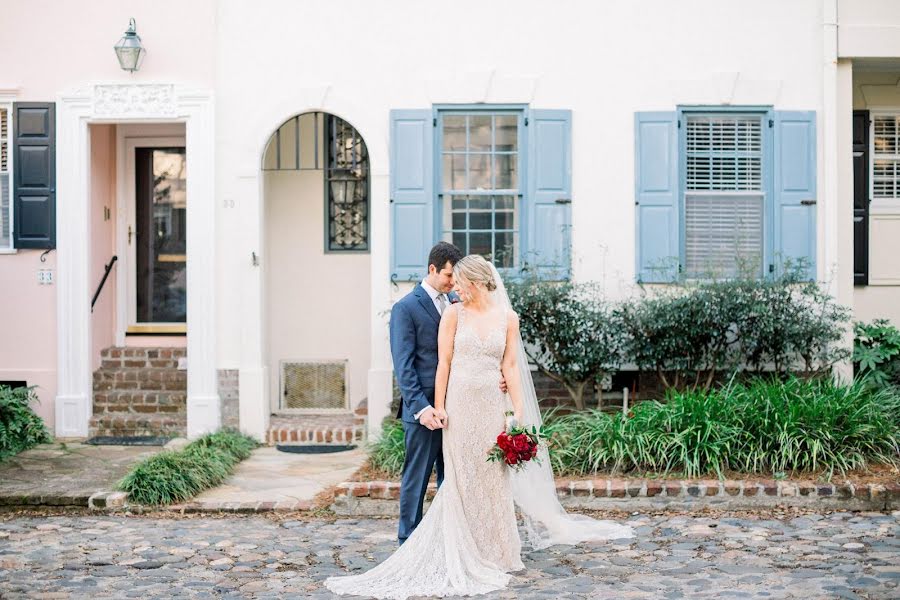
(442, 301)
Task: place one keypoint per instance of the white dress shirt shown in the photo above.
(434, 295)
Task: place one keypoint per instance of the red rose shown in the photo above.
(534, 451)
(501, 441)
(511, 458)
(520, 442)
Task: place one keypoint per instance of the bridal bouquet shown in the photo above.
(516, 445)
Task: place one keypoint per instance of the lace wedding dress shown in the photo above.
(467, 542)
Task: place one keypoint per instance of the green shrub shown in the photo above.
(20, 427)
(876, 352)
(387, 454)
(175, 476)
(570, 333)
(764, 426)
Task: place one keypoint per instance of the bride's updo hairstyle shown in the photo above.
(474, 269)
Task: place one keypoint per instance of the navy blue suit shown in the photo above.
(414, 349)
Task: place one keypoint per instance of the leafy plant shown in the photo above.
(20, 427)
(876, 352)
(571, 334)
(175, 476)
(388, 453)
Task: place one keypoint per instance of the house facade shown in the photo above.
(217, 238)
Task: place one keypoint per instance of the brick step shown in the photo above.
(123, 424)
(128, 403)
(143, 357)
(300, 436)
(148, 378)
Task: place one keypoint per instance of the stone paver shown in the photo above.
(839, 555)
(66, 474)
(270, 475)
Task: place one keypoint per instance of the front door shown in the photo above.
(156, 240)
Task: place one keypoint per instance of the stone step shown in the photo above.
(148, 378)
(139, 402)
(120, 424)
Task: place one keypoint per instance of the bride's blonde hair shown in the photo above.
(474, 269)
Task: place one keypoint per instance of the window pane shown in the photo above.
(480, 202)
(480, 133)
(480, 243)
(458, 239)
(724, 234)
(480, 220)
(479, 172)
(455, 133)
(459, 220)
(503, 220)
(459, 202)
(505, 250)
(505, 168)
(504, 201)
(454, 171)
(506, 133)
(724, 153)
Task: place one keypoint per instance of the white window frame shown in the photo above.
(10, 158)
(879, 205)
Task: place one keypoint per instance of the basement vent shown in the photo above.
(314, 386)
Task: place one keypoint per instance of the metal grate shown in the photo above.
(314, 386)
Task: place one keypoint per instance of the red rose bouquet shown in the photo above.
(516, 446)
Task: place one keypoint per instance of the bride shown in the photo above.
(468, 541)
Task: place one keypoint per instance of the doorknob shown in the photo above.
(130, 233)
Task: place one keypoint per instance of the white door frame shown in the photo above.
(125, 210)
(132, 103)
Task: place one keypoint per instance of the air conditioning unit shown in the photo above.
(315, 386)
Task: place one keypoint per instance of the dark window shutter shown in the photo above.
(861, 197)
(34, 175)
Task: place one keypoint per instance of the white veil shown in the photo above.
(534, 489)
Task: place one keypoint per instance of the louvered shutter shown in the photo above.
(861, 197)
(412, 193)
(724, 199)
(549, 192)
(795, 191)
(656, 196)
(34, 177)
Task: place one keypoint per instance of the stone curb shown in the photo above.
(379, 497)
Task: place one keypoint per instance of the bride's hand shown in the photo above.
(442, 416)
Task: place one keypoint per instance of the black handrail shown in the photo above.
(106, 271)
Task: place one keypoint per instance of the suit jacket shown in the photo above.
(414, 349)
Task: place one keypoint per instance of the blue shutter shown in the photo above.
(549, 217)
(795, 190)
(412, 195)
(34, 195)
(656, 196)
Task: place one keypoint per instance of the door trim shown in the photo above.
(126, 310)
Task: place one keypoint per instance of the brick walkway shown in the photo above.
(808, 556)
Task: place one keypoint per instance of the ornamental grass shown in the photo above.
(762, 426)
(178, 475)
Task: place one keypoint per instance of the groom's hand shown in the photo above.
(429, 419)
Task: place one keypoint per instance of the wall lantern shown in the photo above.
(129, 50)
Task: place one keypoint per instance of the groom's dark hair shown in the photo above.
(442, 253)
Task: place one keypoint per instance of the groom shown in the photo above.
(414, 348)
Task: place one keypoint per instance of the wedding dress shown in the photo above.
(468, 542)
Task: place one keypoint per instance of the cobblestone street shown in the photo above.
(811, 556)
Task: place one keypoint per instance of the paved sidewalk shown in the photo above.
(66, 474)
(800, 555)
(271, 476)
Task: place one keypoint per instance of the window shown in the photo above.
(5, 179)
(886, 157)
(724, 194)
(347, 185)
(479, 179)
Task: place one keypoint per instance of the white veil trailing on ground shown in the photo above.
(534, 489)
